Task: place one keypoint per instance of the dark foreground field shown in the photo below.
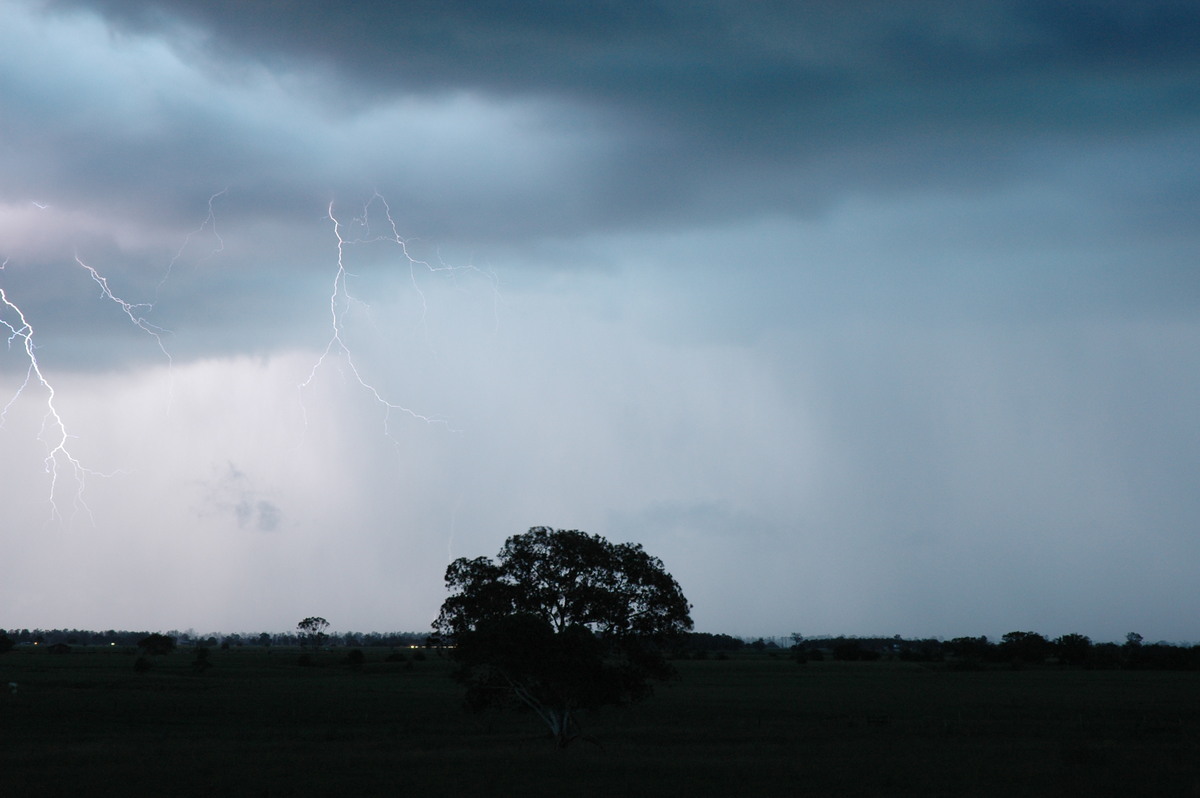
(85, 723)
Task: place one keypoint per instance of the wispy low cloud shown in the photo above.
(231, 494)
(261, 514)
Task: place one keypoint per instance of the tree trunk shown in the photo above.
(560, 725)
(559, 720)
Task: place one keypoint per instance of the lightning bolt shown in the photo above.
(133, 311)
(53, 430)
(62, 465)
(340, 300)
(209, 222)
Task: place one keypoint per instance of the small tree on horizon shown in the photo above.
(312, 631)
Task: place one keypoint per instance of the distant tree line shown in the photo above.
(83, 637)
(708, 642)
(1014, 649)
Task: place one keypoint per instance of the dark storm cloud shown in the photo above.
(723, 108)
(526, 132)
(709, 57)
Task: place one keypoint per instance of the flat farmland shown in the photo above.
(257, 723)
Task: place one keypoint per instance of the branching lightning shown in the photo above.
(210, 222)
(132, 310)
(340, 299)
(54, 432)
(64, 467)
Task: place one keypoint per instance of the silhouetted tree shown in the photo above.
(927, 650)
(968, 652)
(1073, 649)
(561, 621)
(157, 644)
(1028, 647)
(707, 641)
(1104, 656)
(312, 631)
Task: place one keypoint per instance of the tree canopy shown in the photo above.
(157, 644)
(560, 621)
(312, 631)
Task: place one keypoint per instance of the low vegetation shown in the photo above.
(253, 722)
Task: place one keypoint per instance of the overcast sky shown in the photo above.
(866, 318)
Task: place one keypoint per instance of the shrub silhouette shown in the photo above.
(201, 663)
(157, 644)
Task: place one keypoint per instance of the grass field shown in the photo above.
(257, 724)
